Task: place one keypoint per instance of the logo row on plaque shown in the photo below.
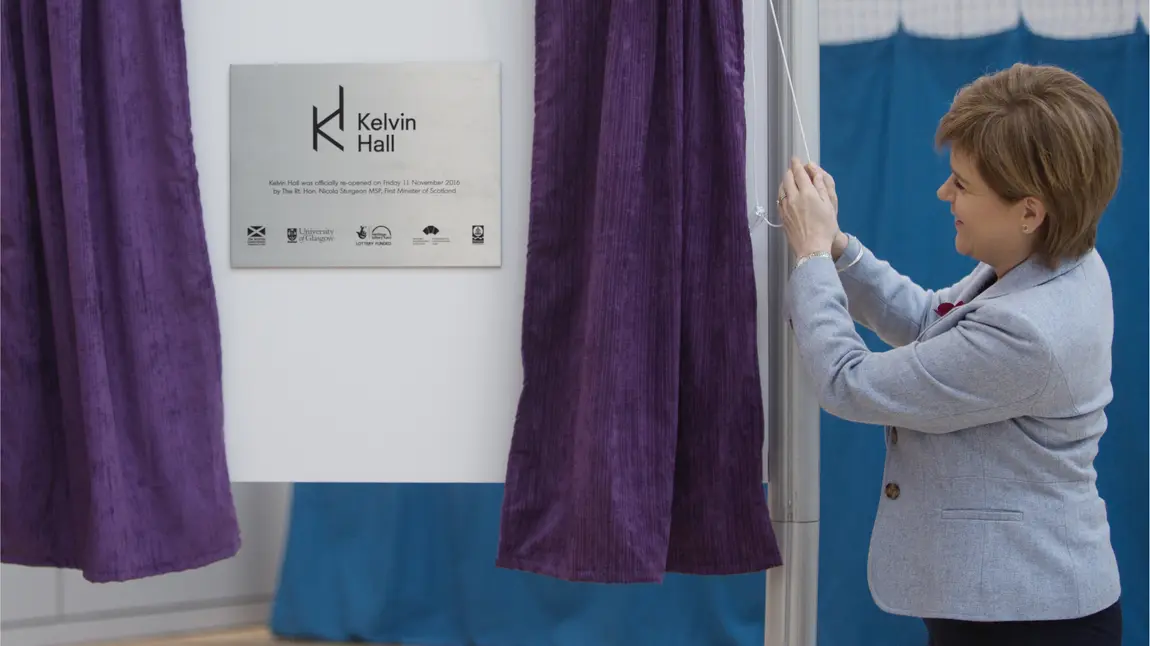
(363, 236)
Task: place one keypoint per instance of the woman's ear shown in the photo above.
(1033, 214)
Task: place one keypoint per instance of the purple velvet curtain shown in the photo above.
(113, 452)
(637, 447)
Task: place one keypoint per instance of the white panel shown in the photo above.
(395, 374)
(262, 509)
(27, 593)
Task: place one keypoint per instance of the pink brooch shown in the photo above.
(943, 308)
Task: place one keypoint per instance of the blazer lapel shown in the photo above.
(983, 275)
(1030, 273)
(983, 279)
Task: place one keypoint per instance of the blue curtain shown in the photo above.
(414, 563)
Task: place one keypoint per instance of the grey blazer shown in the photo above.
(992, 411)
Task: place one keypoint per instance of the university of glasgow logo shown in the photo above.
(317, 126)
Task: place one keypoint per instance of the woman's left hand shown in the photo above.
(807, 210)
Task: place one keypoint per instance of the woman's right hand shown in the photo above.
(841, 239)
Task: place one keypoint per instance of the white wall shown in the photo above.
(50, 607)
(393, 374)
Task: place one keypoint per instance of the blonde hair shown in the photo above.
(1041, 131)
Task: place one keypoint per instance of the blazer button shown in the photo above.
(894, 436)
(892, 491)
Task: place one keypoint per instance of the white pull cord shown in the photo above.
(760, 211)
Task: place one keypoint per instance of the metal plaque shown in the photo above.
(365, 165)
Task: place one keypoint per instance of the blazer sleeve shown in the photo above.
(992, 366)
(883, 300)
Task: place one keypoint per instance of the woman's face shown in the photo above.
(987, 228)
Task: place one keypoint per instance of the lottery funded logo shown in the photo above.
(377, 236)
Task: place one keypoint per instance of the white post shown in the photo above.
(793, 411)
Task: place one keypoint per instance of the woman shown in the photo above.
(989, 523)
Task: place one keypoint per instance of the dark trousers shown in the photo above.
(1102, 628)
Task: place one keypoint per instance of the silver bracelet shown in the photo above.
(817, 254)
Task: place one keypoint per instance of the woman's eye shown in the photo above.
(958, 185)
